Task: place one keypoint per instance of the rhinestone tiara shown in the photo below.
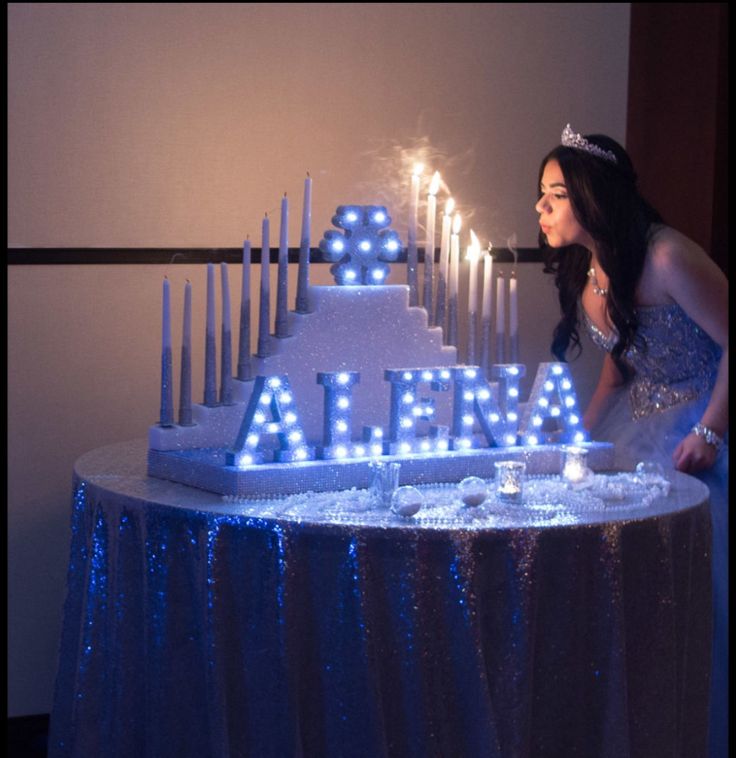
(573, 139)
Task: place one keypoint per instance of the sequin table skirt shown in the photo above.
(198, 626)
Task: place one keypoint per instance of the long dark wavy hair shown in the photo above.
(606, 202)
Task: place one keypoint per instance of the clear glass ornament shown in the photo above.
(406, 501)
(473, 491)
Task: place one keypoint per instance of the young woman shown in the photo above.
(658, 305)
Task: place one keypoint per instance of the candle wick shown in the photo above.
(307, 173)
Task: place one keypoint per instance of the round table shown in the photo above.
(320, 625)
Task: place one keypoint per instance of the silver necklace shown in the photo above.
(600, 291)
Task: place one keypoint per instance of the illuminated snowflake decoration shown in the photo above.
(359, 252)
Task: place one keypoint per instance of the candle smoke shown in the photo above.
(388, 177)
(512, 244)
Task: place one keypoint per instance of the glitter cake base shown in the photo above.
(205, 468)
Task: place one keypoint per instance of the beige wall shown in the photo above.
(179, 125)
(175, 124)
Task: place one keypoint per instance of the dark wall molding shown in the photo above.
(35, 256)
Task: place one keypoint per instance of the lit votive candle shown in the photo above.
(510, 480)
(575, 464)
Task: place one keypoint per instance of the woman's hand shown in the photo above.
(694, 454)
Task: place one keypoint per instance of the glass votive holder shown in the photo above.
(510, 481)
(574, 464)
(384, 482)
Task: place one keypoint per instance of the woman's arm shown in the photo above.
(609, 381)
(697, 285)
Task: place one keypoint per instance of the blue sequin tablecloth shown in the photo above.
(318, 626)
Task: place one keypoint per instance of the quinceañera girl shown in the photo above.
(657, 304)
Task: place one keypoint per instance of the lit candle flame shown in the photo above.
(449, 206)
(434, 186)
(418, 169)
(473, 248)
(457, 223)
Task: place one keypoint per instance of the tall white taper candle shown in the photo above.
(513, 304)
(244, 368)
(265, 292)
(513, 320)
(185, 391)
(500, 318)
(302, 289)
(411, 247)
(440, 310)
(427, 299)
(167, 389)
(452, 315)
(210, 350)
(485, 355)
(282, 292)
(473, 255)
(226, 356)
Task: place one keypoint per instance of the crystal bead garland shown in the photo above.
(546, 500)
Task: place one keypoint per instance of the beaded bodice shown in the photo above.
(674, 360)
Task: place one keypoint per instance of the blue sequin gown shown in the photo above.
(675, 369)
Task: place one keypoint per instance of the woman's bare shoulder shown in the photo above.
(672, 260)
(669, 248)
(678, 270)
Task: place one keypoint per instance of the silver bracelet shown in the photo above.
(708, 435)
